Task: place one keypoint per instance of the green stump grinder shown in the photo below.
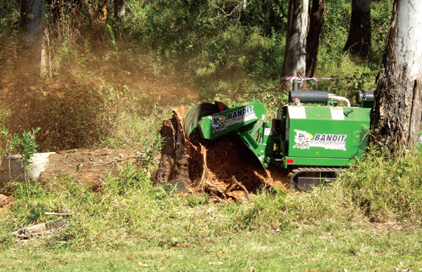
(312, 138)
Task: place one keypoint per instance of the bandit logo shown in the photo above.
(302, 139)
(220, 122)
(305, 140)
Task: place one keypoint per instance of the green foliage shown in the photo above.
(386, 187)
(36, 213)
(225, 49)
(358, 79)
(206, 45)
(151, 150)
(216, 47)
(378, 188)
(333, 62)
(28, 145)
(11, 141)
(354, 248)
(9, 14)
(25, 145)
(380, 22)
(335, 30)
(286, 211)
(270, 16)
(127, 203)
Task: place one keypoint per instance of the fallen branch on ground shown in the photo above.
(59, 214)
(178, 244)
(241, 186)
(41, 229)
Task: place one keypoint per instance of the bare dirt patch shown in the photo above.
(85, 166)
(89, 166)
(5, 200)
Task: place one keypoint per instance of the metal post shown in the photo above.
(295, 83)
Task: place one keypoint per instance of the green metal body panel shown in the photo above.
(232, 119)
(367, 103)
(322, 135)
(260, 142)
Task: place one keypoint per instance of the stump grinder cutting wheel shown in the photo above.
(224, 167)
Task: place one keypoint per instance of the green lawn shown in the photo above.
(328, 247)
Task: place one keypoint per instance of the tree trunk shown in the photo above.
(359, 40)
(119, 8)
(32, 18)
(295, 54)
(31, 23)
(315, 26)
(396, 114)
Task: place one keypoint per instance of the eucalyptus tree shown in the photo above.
(359, 39)
(396, 114)
(32, 27)
(32, 20)
(295, 53)
(316, 20)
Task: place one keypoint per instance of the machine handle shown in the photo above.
(347, 113)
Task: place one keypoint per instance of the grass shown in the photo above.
(333, 247)
(129, 224)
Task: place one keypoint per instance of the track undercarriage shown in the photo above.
(305, 178)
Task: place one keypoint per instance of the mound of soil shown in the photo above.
(88, 166)
(225, 169)
(85, 166)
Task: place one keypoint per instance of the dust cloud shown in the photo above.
(77, 93)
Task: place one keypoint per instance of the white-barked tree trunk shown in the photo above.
(396, 115)
(297, 27)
